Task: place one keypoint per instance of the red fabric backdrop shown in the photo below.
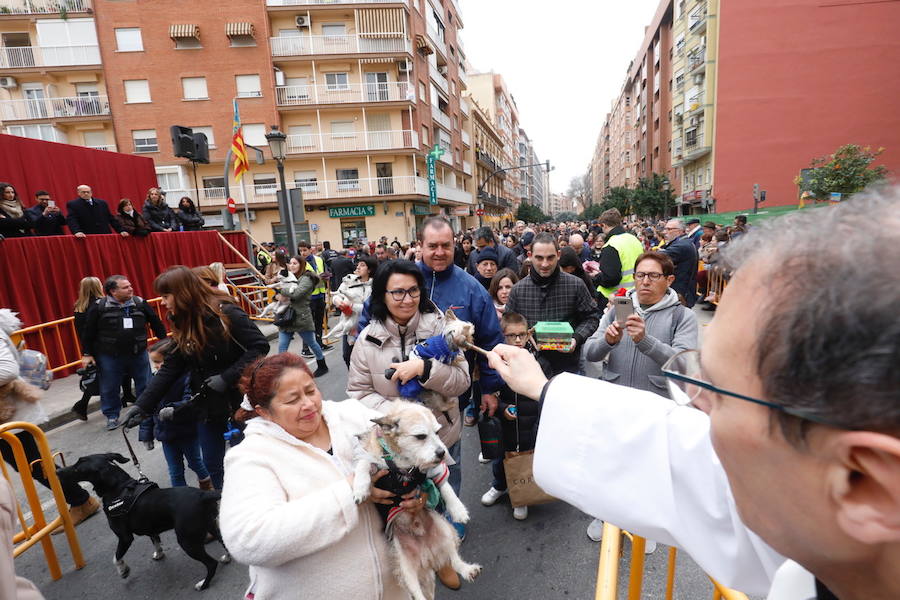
(32, 165)
(39, 276)
(238, 239)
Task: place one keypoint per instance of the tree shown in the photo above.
(591, 212)
(847, 171)
(566, 216)
(531, 214)
(649, 199)
(619, 198)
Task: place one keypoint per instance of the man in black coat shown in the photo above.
(484, 238)
(87, 215)
(341, 266)
(681, 250)
(46, 219)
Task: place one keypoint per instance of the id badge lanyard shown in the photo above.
(127, 321)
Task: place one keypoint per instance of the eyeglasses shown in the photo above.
(515, 337)
(685, 381)
(640, 275)
(399, 295)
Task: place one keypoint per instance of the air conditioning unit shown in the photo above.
(8, 82)
(694, 122)
(442, 70)
(302, 20)
(698, 78)
(404, 67)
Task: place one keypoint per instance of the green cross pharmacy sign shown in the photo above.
(435, 154)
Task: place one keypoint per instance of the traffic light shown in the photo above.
(183, 142)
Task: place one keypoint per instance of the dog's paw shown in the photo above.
(124, 571)
(201, 585)
(360, 497)
(470, 572)
(158, 555)
(459, 513)
(225, 558)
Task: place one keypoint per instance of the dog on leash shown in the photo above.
(141, 508)
(406, 444)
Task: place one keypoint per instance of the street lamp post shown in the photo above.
(665, 186)
(277, 141)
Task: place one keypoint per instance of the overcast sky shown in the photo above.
(564, 62)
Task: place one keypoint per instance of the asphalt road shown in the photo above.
(546, 556)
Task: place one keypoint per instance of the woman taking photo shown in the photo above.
(298, 287)
(287, 507)
(131, 220)
(13, 221)
(356, 287)
(189, 219)
(215, 340)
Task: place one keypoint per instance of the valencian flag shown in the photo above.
(238, 151)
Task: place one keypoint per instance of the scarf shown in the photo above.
(12, 208)
(544, 281)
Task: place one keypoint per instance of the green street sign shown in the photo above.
(430, 159)
(362, 210)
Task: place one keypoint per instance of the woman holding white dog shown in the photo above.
(401, 316)
(356, 288)
(287, 507)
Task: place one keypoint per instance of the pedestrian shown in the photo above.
(287, 507)
(501, 285)
(633, 352)
(299, 286)
(619, 252)
(486, 266)
(218, 270)
(89, 291)
(20, 401)
(13, 220)
(571, 264)
(484, 238)
(356, 288)
(130, 220)
(45, 216)
(317, 297)
(87, 215)
(277, 269)
(115, 339)
(341, 266)
(174, 424)
(157, 213)
(215, 340)
(188, 218)
(462, 252)
(401, 316)
(684, 255)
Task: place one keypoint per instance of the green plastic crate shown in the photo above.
(550, 332)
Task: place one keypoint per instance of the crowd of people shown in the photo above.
(625, 288)
(87, 215)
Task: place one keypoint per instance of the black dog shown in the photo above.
(135, 508)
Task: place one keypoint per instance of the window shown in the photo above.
(334, 29)
(306, 181)
(264, 184)
(168, 180)
(347, 179)
(213, 188)
(336, 81)
(145, 140)
(300, 136)
(86, 89)
(425, 137)
(48, 133)
(255, 134)
(194, 88)
(342, 129)
(136, 91)
(187, 43)
(208, 131)
(128, 39)
(248, 86)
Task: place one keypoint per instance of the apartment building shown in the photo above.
(491, 93)
(362, 89)
(695, 37)
(539, 177)
(487, 156)
(599, 168)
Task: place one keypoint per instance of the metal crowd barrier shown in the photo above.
(611, 551)
(717, 281)
(39, 530)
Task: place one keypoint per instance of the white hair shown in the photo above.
(9, 321)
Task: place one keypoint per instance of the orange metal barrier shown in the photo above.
(716, 283)
(245, 295)
(611, 550)
(40, 529)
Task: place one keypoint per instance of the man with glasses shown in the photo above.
(684, 254)
(779, 472)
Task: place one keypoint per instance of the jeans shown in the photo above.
(212, 445)
(308, 337)
(74, 493)
(177, 450)
(499, 472)
(112, 369)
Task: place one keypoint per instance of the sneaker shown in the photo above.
(482, 459)
(326, 347)
(650, 547)
(491, 496)
(520, 513)
(307, 353)
(111, 423)
(595, 530)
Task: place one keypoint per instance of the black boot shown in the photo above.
(322, 368)
(80, 407)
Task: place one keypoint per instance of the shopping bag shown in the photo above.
(490, 433)
(523, 491)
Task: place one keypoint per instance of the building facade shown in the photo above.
(487, 155)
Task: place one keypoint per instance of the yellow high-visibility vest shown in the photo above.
(629, 248)
(318, 270)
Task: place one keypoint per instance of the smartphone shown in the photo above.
(51, 203)
(624, 307)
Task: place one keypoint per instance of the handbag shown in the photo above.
(285, 318)
(490, 433)
(519, 467)
(89, 381)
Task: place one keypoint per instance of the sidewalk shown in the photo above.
(63, 393)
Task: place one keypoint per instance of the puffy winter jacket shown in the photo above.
(159, 216)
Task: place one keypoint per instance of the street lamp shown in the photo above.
(277, 142)
(665, 186)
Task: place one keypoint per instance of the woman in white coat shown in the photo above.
(287, 504)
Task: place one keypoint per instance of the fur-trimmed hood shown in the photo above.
(9, 321)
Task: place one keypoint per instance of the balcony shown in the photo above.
(437, 40)
(359, 141)
(441, 117)
(329, 2)
(694, 147)
(697, 22)
(464, 106)
(467, 167)
(54, 108)
(694, 105)
(22, 57)
(696, 61)
(107, 148)
(444, 191)
(44, 7)
(463, 78)
(466, 139)
(316, 45)
(439, 78)
(310, 95)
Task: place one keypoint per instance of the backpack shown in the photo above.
(33, 369)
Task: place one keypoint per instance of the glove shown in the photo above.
(166, 414)
(149, 445)
(216, 383)
(132, 416)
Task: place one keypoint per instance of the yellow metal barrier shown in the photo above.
(40, 529)
(611, 551)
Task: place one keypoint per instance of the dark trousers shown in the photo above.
(317, 306)
(212, 445)
(347, 349)
(74, 493)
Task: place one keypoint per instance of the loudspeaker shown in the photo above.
(201, 149)
(183, 141)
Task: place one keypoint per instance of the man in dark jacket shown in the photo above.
(550, 294)
(484, 238)
(341, 266)
(46, 219)
(87, 215)
(681, 250)
(115, 337)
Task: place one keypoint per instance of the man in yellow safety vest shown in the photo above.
(317, 299)
(616, 257)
